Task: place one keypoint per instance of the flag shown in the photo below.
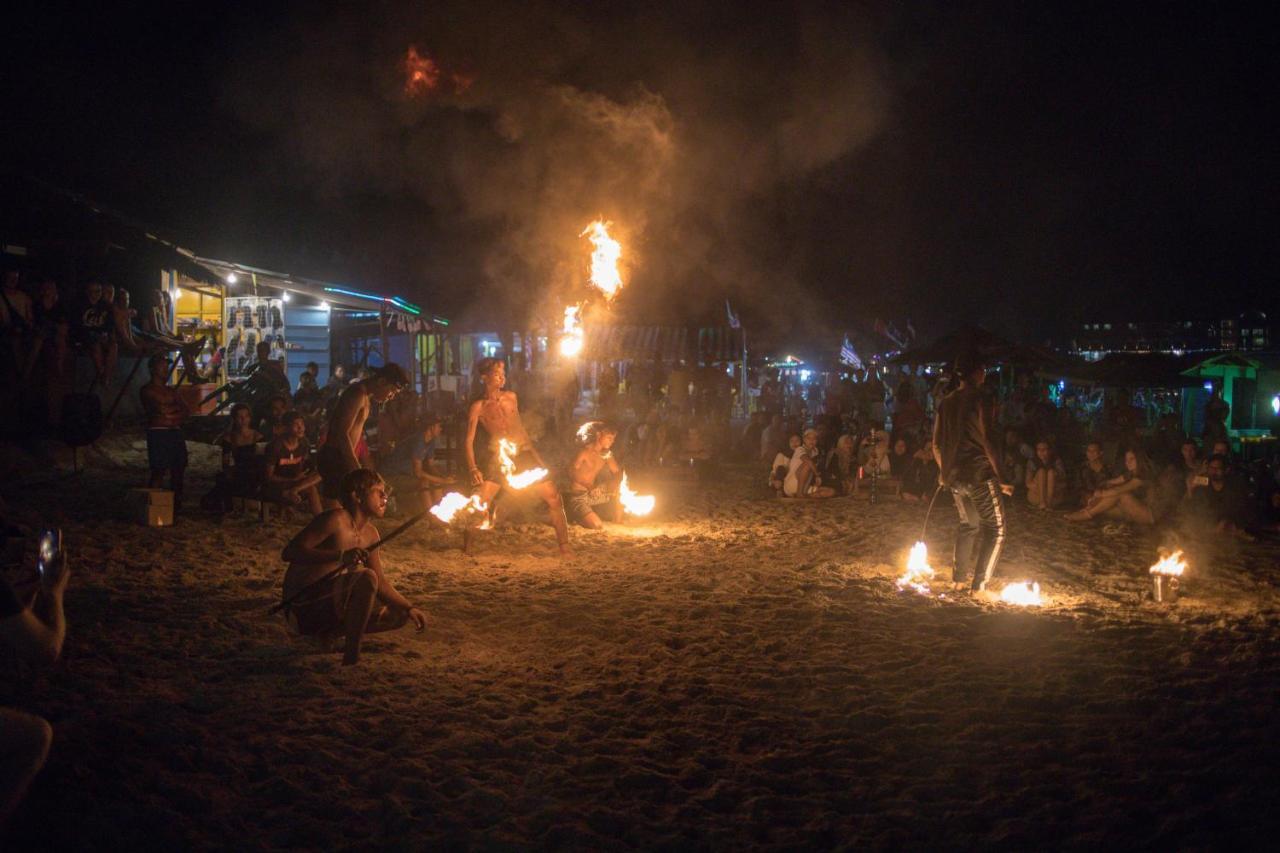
(848, 355)
(734, 322)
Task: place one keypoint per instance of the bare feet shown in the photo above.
(1078, 515)
(565, 550)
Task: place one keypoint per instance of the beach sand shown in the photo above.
(738, 671)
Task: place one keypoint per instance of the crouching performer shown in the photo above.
(334, 586)
(584, 494)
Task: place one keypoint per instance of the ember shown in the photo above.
(422, 74)
(631, 502)
(524, 479)
(571, 342)
(919, 573)
(1022, 593)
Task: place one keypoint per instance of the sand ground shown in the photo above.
(738, 671)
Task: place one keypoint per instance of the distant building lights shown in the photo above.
(324, 305)
(232, 278)
(285, 296)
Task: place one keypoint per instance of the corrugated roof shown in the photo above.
(665, 343)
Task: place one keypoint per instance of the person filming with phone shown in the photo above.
(32, 629)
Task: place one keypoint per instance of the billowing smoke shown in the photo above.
(685, 128)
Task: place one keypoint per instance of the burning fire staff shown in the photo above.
(498, 411)
(969, 466)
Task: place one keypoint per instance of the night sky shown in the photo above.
(1013, 164)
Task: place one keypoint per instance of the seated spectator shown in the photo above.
(51, 327)
(415, 461)
(908, 414)
(289, 476)
(1221, 504)
(32, 632)
(1046, 478)
(899, 458)
(272, 424)
(1093, 474)
(782, 463)
(803, 480)
(1126, 497)
(1191, 464)
(308, 397)
(921, 478)
(773, 438)
(842, 466)
(873, 456)
(1014, 455)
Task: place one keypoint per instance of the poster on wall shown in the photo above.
(249, 320)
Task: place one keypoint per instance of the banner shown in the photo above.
(247, 321)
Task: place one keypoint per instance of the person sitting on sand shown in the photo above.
(584, 495)
(1220, 504)
(1126, 497)
(1046, 478)
(354, 602)
(803, 480)
(842, 465)
(272, 424)
(899, 457)
(782, 462)
(921, 479)
(1093, 474)
(1193, 467)
(416, 459)
(288, 476)
(498, 411)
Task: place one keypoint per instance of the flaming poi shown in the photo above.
(1022, 593)
(572, 339)
(632, 503)
(454, 503)
(919, 573)
(506, 458)
(604, 258)
(1170, 564)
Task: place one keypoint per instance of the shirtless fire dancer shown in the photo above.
(593, 458)
(498, 411)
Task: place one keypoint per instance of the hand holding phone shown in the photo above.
(51, 561)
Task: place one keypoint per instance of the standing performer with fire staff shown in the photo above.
(969, 466)
(337, 458)
(498, 411)
(584, 495)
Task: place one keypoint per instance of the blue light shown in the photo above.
(1062, 384)
(1208, 386)
(1275, 404)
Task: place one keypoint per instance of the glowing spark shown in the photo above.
(421, 74)
(631, 502)
(1022, 593)
(571, 343)
(506, 458)
(453, 503)
(584, 431)
(919, 573)
(1170, 564)
(604, 258)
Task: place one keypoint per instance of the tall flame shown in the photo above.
(571, 342)
(631, 502)
(1022, 593)
(604, 258)
(453, 503)
(507, 459)
(1170, 564)
(919, 573)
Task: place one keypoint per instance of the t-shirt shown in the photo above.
(791, 484)
(417, 449)
(289, 464)
(95, 319)
(959, 434)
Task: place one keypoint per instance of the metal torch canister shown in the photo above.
(1164, 588)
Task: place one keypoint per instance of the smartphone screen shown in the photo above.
(50, 542)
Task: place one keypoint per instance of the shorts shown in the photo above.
(315, 613)
(166, 449)
(578, 505)
(492, 466)
(332, 467)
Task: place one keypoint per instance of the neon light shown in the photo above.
(372, 296)
(1275, 404)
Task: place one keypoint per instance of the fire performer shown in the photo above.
(337, 458)
(969, 466)
(584, 495)
(323, 603)
(498, 411)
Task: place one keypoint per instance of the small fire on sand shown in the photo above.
(919, 573)
(1170, 564)
(507, 459)
(571, 341)
(453, 503)
(1022, 593)
(604, 258)
(631, 502)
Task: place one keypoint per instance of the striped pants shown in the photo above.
(982, 531)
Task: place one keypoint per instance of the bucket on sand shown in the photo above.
(1164, 588)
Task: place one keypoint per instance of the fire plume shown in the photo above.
(919, 573)
(453, 503)
(572, 340)
(506, 458)
(1022, 593)
(1170, 564)
(421, 73)
(605, 254)
(632, 503)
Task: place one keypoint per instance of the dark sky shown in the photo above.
(1015, 164)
